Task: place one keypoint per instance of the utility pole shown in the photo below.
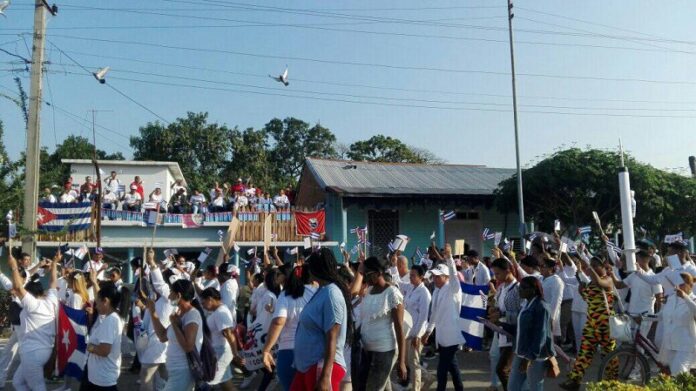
(520, 197)
(32, 164)
(97, 201)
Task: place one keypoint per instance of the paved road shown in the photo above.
(474, 369)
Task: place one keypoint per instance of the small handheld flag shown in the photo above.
(432, 236)
(586, 230)
(449, 215)
(557, 225)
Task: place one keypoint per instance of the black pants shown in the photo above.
(87, 386)
(448, 365)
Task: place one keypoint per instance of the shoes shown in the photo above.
(570, 385)
(248, 380)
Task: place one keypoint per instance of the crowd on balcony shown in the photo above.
(239, 196)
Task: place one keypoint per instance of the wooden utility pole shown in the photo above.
(32, 164)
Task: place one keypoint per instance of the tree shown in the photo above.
(570, 184)
(294, 141)
(250, 158)
(55, 173)
(201, 149)
(382, 148)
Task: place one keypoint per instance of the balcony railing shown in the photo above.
(250, 227)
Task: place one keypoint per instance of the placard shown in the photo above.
(459, 247)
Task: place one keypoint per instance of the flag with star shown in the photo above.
(71, 344)
(64, 216)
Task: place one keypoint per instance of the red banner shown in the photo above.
(309, 223)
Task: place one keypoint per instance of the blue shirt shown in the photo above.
(324, 310)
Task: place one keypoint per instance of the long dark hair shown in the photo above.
(534, 283)
(271, 281)
(188, 293)
(296, 281)
(323, 266)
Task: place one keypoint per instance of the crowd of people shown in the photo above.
(239, 196)
(356, 322)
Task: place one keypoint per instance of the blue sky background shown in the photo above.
(434, 74)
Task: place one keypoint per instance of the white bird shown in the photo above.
(283, 78)
(100, 75)
(3, 5)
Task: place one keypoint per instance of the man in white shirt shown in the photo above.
(229, 288)
(68, 195)
(49, 197)
(444, 315)
(132, 201)
(240, 201)
(217, 203)
(97, 264)
(417, 304)
(178, 184)
(643, 295)
(113, 184)
(553, 293)
(109, 199)
(281, 201)
(477, 273)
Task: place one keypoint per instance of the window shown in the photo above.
(383, 226)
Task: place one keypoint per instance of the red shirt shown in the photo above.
(238, 188)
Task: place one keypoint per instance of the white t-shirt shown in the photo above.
(37, 330)
(642, 294)
(377, 328)
(96, 265)
(229, 293)
(132, 198)
(74, 300)
(104, 371)
(289, 308)
(113, 184)
(265, 309)
(256, 295)
(66, 198)
(176, 356)
(155, 352)
(219, 320)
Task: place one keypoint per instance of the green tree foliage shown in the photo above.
(293, 140)
(250, 158)
(382, 148)
(202, 149)
(570, 184)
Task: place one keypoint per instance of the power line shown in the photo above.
(378, 65)
(111, 86)
(378, 87)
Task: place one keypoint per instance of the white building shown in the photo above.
(153, 174)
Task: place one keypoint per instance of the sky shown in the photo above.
(434, 74)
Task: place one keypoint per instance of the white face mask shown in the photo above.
(174, 302)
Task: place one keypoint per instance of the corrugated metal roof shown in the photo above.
(363, 178)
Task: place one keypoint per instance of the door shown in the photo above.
(383, 226)
(467, 226)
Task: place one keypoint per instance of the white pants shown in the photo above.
(8, 356)
(579, 319)
(30, 374)
(679, 361)
(153, 377)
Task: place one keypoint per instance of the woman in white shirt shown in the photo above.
(221, 327)
(507, 307)
(104, 349)
(381, 327)
(678, 348)
(292, 300)
(208, 280)
(184, 334)
(264, 313)
(37, 330)
(152, 351)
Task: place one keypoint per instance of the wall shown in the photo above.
(125, 174)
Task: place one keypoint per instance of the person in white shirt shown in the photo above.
(250, 191)
(208, 280)
(104, 348)
(417, 304)
(506, 310)
(109, 200)
(113, 184)
(229, 287)
(9, 352)
(221, 325)
(281, 201)
(444, 314)
(152, 351)
(37, 331)
(217, 203)
(156, 195)
(132, 201)
(678, 347)
(240, 201)
(177, 185)
(477, 273)
(297, 293)
(49, 197)
(184, 334)
(197, 200)
(572, 276)
(97, 264)
(67, 196)
(553, 294)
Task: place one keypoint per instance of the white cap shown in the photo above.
(440, 270)
(233, 269)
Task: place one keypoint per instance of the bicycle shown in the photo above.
(632, 360)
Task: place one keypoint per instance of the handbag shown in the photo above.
(619, 325)
(552, 368)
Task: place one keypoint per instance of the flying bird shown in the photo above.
(283, 78)
(100, 75)
(3, 5)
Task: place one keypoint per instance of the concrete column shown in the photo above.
(344, 222)
(440, 229)
(127, 269)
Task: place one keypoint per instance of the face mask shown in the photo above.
(175, 302)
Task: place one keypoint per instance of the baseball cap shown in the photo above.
(440, 270)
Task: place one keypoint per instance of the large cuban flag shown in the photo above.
(473, 305)
(71, 344)
(55, 217)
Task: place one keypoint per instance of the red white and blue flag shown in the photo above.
(71, 345)
(58, 216)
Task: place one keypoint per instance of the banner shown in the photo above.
(310, 222)
(54, 217)
(473, 307)
(71, 345)
(253, 347)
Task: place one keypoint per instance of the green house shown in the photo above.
(408, 199)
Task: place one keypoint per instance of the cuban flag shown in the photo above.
(315, 235)
(71, 345)
(586, 230)
(71, 216)
(473, 306)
